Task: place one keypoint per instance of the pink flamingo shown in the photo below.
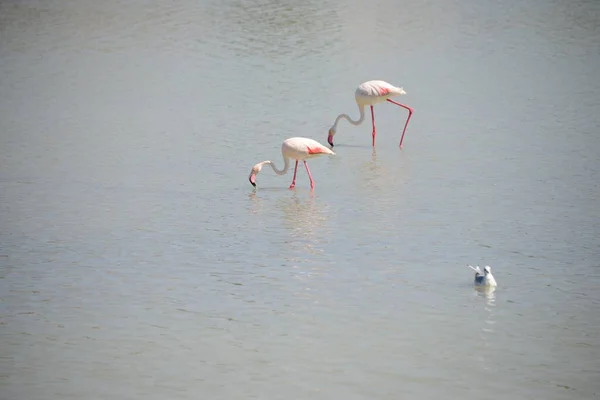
(297, 148)
(369, 94)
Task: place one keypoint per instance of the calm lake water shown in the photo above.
(137, 262)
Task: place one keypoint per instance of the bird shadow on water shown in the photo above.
(257, 190)
(303, 220)
(256, 200)
(372, 166)
(255, 193)
(305, 233)
(299, 222)
(488, 294)
(302, 216)
(384, 173)
(359, 146)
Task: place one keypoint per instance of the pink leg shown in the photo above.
(312, 183)
(294, 178)
(410, 111)
(374, 133)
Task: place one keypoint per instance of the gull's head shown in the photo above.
(255, 170)
(487, 269)
(330, 136)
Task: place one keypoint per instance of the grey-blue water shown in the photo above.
(137, 262)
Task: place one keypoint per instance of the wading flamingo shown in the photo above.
(368, 94)
(297, 148)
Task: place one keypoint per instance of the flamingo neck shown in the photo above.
(286, 166)
(361, 109)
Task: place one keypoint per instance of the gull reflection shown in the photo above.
(487, 293)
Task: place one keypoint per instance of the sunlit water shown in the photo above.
(138, 262)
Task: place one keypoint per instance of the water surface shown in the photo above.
(137, 261)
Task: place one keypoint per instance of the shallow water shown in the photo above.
(137, 261)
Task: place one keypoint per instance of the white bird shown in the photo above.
(368, 94)
(483, 279)
(296, 148)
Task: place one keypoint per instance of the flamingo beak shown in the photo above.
(330, 140)
(252, 179)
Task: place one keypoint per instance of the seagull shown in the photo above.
(484, 279)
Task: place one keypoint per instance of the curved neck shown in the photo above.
(361, 109)
(286, 166)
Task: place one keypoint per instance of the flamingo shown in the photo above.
(368, 94)
(483, 279)
(297, 148)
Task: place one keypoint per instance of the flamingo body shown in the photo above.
(373, 92)
(368, 94)
(296, 148)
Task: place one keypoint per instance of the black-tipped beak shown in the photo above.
(331, 143)
(252, 183)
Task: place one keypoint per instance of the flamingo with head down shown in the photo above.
(296, 148)
(368, 94)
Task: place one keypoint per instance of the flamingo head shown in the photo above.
(255, 170)
(330, 136)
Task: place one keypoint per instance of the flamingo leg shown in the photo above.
(312, 183)
(410, 111)
(374, 133)
(294, 178)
